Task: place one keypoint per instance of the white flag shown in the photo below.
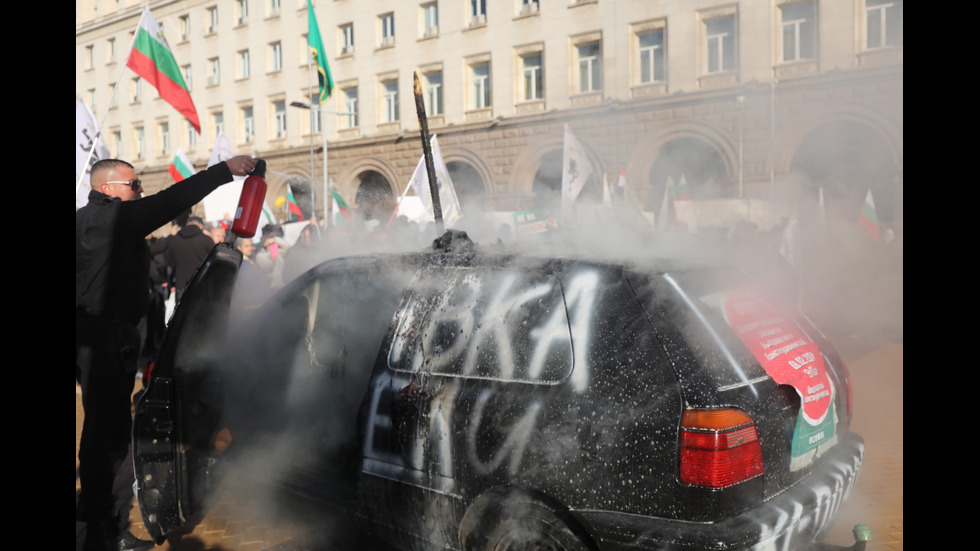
(222, 150)
(663, 217)
(575, 170)
(447, 193)
(223, 201)
(86, 130)
(684, 206)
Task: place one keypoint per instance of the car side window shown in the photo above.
(496, 324)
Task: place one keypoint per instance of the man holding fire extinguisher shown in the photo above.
(111, 295)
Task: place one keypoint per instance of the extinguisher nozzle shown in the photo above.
(259, 169)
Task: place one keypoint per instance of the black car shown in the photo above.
(470, 400)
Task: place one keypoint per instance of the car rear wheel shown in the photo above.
(522, 523)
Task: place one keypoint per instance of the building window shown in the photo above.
(387, 23)
(651, 56)
(242, 10)
(478, 12)
(139, 142)
(529, 6)
(533, 77)
(305, 51)
(212, 19)
(720, 44)
(89, 56)
(884, 22)
(185, 71)
(248, 124)
(347, 39)
(350, 108)
(136, 89)
(275, 6)
(315, 113)
(110, 50)
(799, 31)
(430, 19)
(480, 86)
(433, 93)
(116, 146)
(190, 133)
(244, 70)
(164, 138)
(275, 57)
(185, 28)
(590, 67)
(110, 95)
(214, 72)
(279, 109)
(389, 101)
(218, 123)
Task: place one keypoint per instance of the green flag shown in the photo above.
(316, 45)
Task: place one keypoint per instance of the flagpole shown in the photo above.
(326, 178)
(112, 96)
(427, 154)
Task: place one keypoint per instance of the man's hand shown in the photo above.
(241, 165)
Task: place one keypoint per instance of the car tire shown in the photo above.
(522, 523)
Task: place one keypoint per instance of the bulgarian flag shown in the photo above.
(868, 218)
(152, 60)
(294, 211)
(181, 166)
(340, 205)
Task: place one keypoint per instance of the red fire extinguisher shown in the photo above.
(251, 202)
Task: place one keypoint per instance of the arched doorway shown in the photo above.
(547, 184)
(374, 198)
(846, 158)
(698, 162)
(301, 193)
(470, 189)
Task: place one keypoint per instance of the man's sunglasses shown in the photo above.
(135, 183)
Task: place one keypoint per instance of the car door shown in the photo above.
(175, 431)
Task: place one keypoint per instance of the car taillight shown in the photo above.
(719, 448)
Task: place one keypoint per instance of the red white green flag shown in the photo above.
(340, 205)
(295, 213)
(152, 59)
(868, 218)
(181, 167)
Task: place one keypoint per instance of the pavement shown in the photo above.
(241, 522)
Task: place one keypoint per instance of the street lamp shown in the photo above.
(317, 111)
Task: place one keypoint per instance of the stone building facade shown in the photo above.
(778, 101)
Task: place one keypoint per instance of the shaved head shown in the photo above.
(101, 169)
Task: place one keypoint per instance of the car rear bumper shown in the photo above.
(791, 520)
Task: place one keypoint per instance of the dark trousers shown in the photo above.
(105, 367)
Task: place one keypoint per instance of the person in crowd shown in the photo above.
(112, 291)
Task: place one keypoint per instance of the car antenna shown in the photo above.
(430, 168)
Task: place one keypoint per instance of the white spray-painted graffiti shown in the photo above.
(513, 446)
(451, 333)
(818, 507)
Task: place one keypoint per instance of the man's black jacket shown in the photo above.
(111, 255)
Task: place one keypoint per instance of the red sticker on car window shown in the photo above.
(786, 354)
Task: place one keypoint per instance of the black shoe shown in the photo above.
(128, 542)
(97, 539)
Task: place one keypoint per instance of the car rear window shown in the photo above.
(499, 324)
(692, 302)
